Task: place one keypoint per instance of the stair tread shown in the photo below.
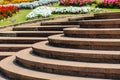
(7, 53)
(15, 45)
(45, 26)
(23, 38)
(43, 45)
(32, 32)
(8, 65)
(30, 57)
(64, 38)
(93, 30)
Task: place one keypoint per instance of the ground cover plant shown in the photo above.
(31, 5)
(76, 2)
(45, 11)
(7, 11)
(13, 1)
(109, 4)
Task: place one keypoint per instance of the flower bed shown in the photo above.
(75, 2)
(45, 11)
(31, 5)
(7, 11)
(109, 4)
(13, 1)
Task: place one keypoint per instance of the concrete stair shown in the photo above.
(14, 71)
(6, 54)
(29, 33)
(84, 43)
(99, 23)
(90, 52)
(92, 33)
(13, 47)
(113, 15)
(43, 48)
(21, 40)
(42, 28)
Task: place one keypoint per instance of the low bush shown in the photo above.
(31, 5)
(109, 4)
(7, 11)
(45, 11)
(75, 2)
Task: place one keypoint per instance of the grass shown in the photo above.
(20, 17)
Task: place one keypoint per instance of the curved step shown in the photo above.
(109, 15)
(21, 40)
(101, 70)
(9, 68)
(2, 77)
(84, 43)
(81, 18)
(6, 54)
(45, 50)
(92, 33)
(13, 47)
(59, 23)
(101, 23)
(42, 28)
(29, 33)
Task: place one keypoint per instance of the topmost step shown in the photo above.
(113, 15)
(107, 15)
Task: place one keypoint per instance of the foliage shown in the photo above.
(31, 5)
(7, 11)
(109, 4)
(13, 1)
(45, 11)
(75, 2)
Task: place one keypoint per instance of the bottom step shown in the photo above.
(9, 68)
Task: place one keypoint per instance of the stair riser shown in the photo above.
(60, 23)
(13, 76)
(85, 45)
(20, 41)
(82, 18)
(12, 49)
(69, 70)
(108, 17)
(99, 26)
(113, 36)
(28, 34)
(41, 29)
(2, 57)
(99, 58)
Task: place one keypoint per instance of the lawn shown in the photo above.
(20, 17)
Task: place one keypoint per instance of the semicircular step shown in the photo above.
(29, 33)
(14, 71)
(108, 15)
(92, 33)
(59, 23)
(21, 40)
(43, 28)
(6, 54)
(100, 70)
(84, 43)
(101, 23)
(46, 50)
